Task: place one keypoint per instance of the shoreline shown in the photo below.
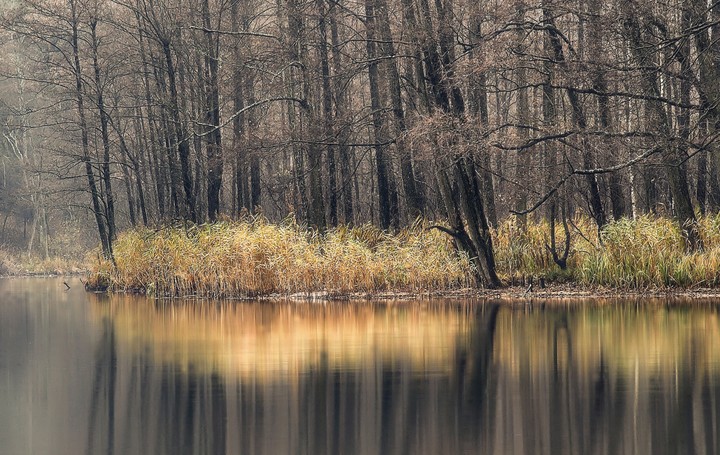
(517, 294)
(550, 294)
(80, 274)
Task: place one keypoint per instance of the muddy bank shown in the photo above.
(513, 295)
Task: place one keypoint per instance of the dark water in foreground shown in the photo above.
(81, 374)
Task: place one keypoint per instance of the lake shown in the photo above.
(90, 374)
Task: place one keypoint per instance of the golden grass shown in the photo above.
(650, 252)
(262, 341)
(19, 264)
(525, 252)
(250, 258)
(647, 252)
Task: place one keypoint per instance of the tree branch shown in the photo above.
(605, 170)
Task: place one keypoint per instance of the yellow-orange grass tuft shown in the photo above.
(238, 259)
(250, 258)
(524, 251)
(651, 252)
(647, 252)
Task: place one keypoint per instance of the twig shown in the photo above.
(528, 290)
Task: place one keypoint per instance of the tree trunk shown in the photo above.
(105, 170)
(416, 71)
(413, 197)
(522, 158)
(255, 191)
(299, 77)
(580, 120)
(381, 161)
(327, 113)
(180, 139)
(152, 131)
(456, 174)
(480, 110)
(239, 141)
(169, 160)
(212, 118)
(468, 225)
(341, 106)
(92, 185)
(708, 187)
(672, 157)
(136, 168)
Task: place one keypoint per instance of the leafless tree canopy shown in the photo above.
(148, 111)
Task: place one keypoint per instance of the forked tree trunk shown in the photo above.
(457, 175)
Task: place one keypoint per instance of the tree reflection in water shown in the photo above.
(331, 380)
(417, 378)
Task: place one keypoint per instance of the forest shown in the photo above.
(122, 113)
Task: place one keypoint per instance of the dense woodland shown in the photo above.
(140, 112)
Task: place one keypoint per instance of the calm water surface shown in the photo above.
(83, 374)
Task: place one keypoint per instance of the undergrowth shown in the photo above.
(651, 252)
(645, 253)
(525, 250)
(21, 264)
(250, 258)
(232, 259)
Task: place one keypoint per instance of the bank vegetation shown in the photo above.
(254, 257)
(373, 112)
(13, 263)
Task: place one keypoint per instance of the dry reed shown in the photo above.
(13, 263)
(251, 258)
(651, 252)
(525, 250)
(647, 252)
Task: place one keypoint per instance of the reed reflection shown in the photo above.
(277, 340)
(417, 378)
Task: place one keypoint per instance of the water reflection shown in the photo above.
(272, 340)
(268, 378)
(133, 376)
(611, 379)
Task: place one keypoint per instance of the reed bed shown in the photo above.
(651, 252)
(13, 263)
(525, 250)
(648, 252)
(253, 258)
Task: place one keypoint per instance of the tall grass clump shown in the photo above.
(255, 257)
(636, 253)
(525, 250)
(8, 264)
(647, 252)
(651, 252)
(15, 263)
(251, 258)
